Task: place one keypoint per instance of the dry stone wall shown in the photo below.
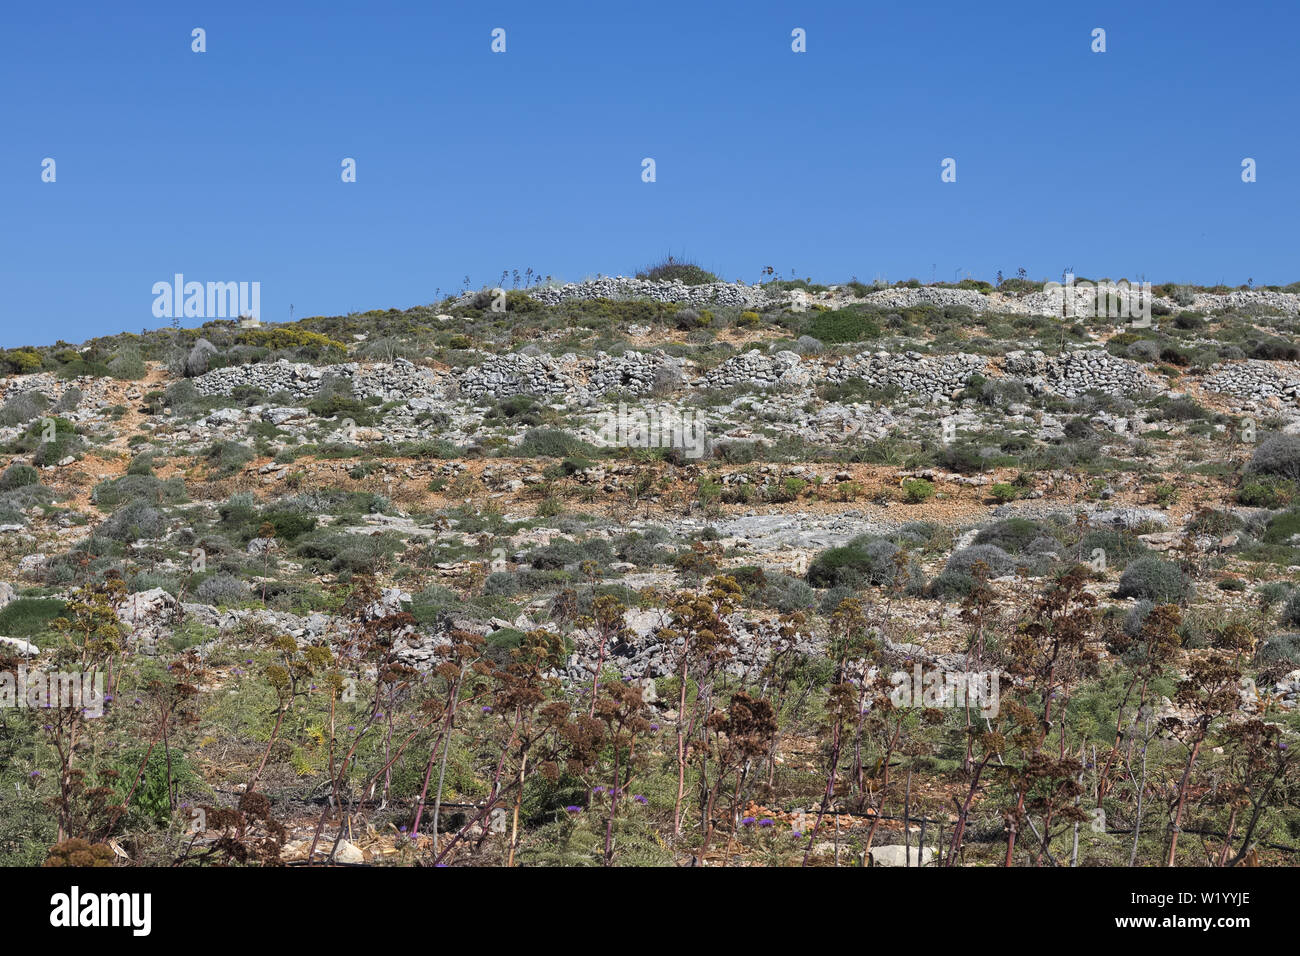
(932, 377)
(1254, 380)
(1075, 373)
(394, 381)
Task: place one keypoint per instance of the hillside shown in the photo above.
(636, 572)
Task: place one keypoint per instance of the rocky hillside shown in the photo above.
(638, 572)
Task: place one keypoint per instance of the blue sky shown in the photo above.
(225, 165)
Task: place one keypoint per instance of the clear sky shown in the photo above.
(225, 165)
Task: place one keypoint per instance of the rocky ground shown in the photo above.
(235, 500)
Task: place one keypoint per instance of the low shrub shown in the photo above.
(1152, 579)
(850, 324)
(18, 475)
(917, 490)
(671, 268)
(1277, 456)
(133, 520)
(1016, 535)
(864, 560)
(30, 617)
(222, 588)
(1280, 647)
(554, 443)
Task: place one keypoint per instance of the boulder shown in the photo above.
(18, 646)
(899, 855)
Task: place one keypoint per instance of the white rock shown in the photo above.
(899, 855)
(348, 853)
(18, 645)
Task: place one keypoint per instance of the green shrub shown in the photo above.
(1120, 547)
(951, 584)
(181, 395)
(788, 489)
(336, 405)
(643, 552)
(69, 400)
(222, 589)
(19, 475)
(1212, 521)
(16, 503)
(428, 605)
(30, 617)
(1271, 592)
(864, 560)
(996, 559)
(520, 409)
(502, 641)
(22, 361)
(1282, 527)
(1266, 492)
(562, 552)
(289, 525)
(1277, 456)
(964, 457)
(65, 444)
(127, 365)
(114, 492)
(141, 465)
(1152, 579)
(671, 268)
(689, 319)
(917, 490)
(785, 593)
(227, 457)
(1281, 647)
(166, 773)
(1016, 535)
(1004, 492)
(346, 553)
(1183, 410)
(850, 324)
(555, 443)
(501, 584)
(1291, 610)
(22, 408)
(289, 337)
(133, 520)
